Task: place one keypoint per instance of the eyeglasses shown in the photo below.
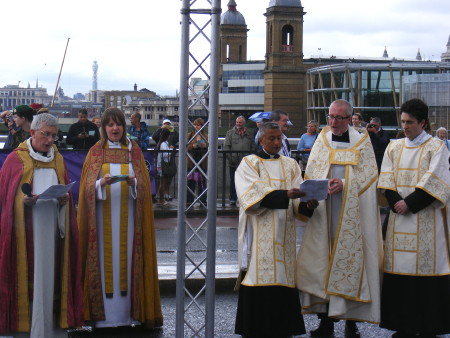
(337, 118)
(47, 135)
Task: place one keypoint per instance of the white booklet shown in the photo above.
(314, 189)
(56, 191)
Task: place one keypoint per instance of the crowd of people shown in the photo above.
(96, 263)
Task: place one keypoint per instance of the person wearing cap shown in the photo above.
(23, 116)
(173, 138)
(83, 134)
(40, 284)
(36, 107)
(138, 131)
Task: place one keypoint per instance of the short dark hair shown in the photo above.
(375, 119)
(83, 111)
(276, 115)
(267, 125)
(416, 108)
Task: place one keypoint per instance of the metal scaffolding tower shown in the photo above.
(197, 245)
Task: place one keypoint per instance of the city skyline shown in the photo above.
(137, 44)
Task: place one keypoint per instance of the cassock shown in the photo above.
(268, 303)
(118, 240)
(416, 283)
(40, 271)
(339, 261)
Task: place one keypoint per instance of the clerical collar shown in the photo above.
(419, 140)
(46, 158)
(343, 138)
(265, 155)
(37, 152)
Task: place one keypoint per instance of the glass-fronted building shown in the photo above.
(374, 89)
(434, 89)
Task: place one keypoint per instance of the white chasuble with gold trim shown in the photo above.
(339, 261)
(267, 237)
(418, 244)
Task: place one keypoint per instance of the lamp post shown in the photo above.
(18, 94)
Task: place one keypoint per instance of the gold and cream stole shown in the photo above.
(346, 272)
(117, 156)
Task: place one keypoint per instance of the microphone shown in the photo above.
(26, 189)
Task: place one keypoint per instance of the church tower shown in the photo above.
(233, 35)
(445, 57)
(285, 75)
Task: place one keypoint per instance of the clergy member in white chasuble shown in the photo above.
(117, 233)
(339, 261)
(267, 186)
(416, 182)
(40, 271)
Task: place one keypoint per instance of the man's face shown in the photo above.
(283, 123)
(239, 123)
(271, 141)
(166, 125)
(82, 118)
(411, 126)
(133, 119)
(376, 126)
(43, 138)
(338, 119)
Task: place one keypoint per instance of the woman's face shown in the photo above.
(114, 131)
(356, 121)
(441, 134)
(197, 126)
(311, 128)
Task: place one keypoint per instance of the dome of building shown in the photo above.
(286, 3)
(232, 16)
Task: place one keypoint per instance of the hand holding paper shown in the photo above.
(314, 189)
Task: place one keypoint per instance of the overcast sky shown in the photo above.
(138, 41)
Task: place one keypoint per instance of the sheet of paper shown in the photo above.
(314, 189)
(56, 191)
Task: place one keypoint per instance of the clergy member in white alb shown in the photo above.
(416, 182)
(267, 186)
(40, 283)
(339, 261)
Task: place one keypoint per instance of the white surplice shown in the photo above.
(117, 308)
(47, 215)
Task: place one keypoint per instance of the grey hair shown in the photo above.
(46, 118)
(241, 117)
(441, 129)
(375, 119)
(341, 102)
(267, 125)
